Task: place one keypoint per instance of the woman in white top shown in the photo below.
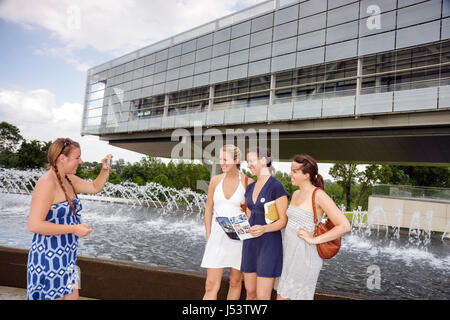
(225, 196)
(301, 261)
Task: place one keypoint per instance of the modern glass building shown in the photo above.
(279, 61)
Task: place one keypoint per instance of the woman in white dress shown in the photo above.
(225, 196)
(301, 261)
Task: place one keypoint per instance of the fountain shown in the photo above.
(359, 224)
(152, 194)
(446, 231)
(417, 236)
(157, 226)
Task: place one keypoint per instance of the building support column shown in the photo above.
(272, 89)
(358, 84)
(211, 97)
(166, 105)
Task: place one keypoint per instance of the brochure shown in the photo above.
(237, 227)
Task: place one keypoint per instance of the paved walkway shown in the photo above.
(10, 293)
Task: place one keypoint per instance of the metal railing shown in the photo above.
(411, 192)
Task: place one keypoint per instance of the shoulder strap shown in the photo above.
(246, 181)
(221, 181)
(314, 205)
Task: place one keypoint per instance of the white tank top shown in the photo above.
(224, 207)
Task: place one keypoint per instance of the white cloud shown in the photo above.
(24, 107)
(38, 117)
(36, 114)
(116, 27)
(65, 54)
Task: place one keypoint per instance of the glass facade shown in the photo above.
(280, 60)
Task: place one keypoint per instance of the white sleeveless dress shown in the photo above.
(301, 261)
(221, 251)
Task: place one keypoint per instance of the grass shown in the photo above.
(349, 216)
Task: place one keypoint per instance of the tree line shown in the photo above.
(351, 188)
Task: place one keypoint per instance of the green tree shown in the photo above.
(8, 159)
(118, 165)
(367, 179)
(345, 175)
(162, 180)
(33, 154)
(286, 182)
(138, 180)
(389, 174)
(114, 177)
(10, 137)
(425, 176)
(132, 172)
(249, 174)
(335, 191)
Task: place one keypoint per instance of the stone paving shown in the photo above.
(11, 293)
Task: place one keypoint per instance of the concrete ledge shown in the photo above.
(11, 293)
(389, 211)
(117, 280)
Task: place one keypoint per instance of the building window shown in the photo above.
(188, 101)
(145, 108)
(242, 93)
(405, 69)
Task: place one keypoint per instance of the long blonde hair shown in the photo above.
(58, 147)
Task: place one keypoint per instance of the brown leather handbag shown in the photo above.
(328, 249)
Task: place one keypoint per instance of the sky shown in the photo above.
(47, 46)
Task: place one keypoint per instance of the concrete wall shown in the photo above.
(114, 280)
(389, 211)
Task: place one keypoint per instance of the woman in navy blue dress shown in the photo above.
(262, 256)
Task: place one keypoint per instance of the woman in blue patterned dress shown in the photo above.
(262, 256)
(56, 223)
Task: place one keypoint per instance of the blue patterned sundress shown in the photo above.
(52, 260)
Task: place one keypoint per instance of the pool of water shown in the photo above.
(176, 240)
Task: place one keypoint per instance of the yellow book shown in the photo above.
(271, 212)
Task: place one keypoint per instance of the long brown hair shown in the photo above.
(309, 165)
(58, 147)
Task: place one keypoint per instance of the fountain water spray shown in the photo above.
(152, 194)
(446, 233)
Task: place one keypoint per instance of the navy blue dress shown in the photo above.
(263, 255)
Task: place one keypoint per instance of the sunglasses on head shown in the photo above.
(66, 143)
